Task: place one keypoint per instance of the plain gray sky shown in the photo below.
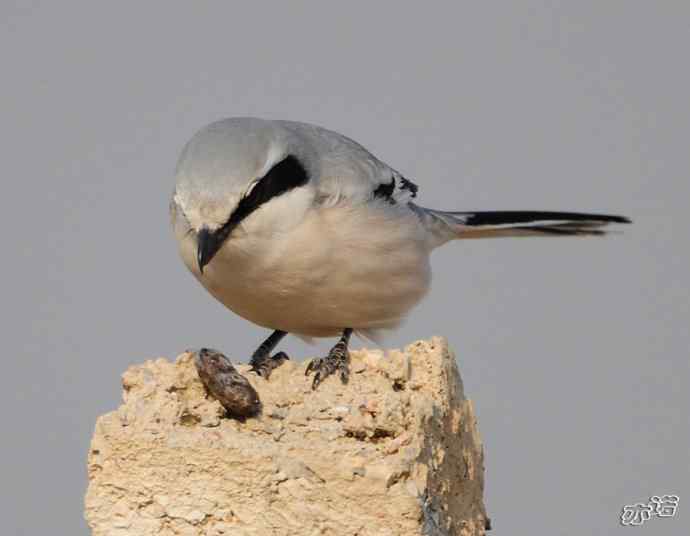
(574, 351)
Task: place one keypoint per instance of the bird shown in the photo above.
(302, 230)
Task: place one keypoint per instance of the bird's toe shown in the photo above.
(322, 367)
(266, 366)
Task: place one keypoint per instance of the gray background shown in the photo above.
(574, 351)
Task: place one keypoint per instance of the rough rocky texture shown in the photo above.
(394, 452)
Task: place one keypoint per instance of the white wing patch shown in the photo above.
(344, 170)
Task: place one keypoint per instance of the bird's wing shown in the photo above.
(346, 171)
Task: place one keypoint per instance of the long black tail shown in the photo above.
(532, 222)
(503, 223)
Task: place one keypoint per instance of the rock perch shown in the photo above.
(394, 452)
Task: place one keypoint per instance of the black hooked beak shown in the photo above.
(208, 244)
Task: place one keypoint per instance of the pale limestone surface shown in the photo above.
(394, 452)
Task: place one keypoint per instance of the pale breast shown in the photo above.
(361, 267)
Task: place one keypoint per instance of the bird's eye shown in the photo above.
(251, 187)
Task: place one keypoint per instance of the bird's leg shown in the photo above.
(338, 359)
(262, 362)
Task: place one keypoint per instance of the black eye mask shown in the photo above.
(289, 173)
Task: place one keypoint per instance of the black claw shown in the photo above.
(281, 356)
(266, 366)
(344, 375)
(262, 363)
(316, 382)
(336, 361)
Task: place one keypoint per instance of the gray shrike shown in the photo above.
(302, 230)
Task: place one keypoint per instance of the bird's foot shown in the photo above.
(262, 362)
(265, 366)
(337, 360)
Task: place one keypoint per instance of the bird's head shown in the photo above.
(241, 175)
